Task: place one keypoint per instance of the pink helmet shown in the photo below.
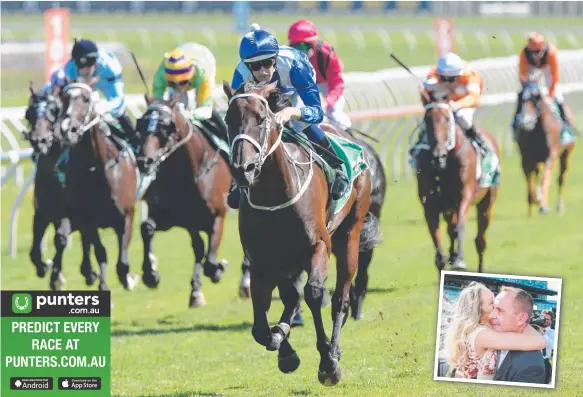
(302, 31)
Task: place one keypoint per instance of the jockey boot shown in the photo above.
(563, 114)
(473, 135)
(130, 134)
(341, 183)
(518, 110)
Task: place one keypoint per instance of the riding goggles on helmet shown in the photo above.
(447, 79)
(302, 46)
(264, 63)
(172, 84)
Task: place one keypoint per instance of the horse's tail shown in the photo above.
(370, 235)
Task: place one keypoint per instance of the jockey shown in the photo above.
(89, 62)
(264, 60)
(190, 66)
(540, 55)
(303, 36)
(463, 86)
(52, 87)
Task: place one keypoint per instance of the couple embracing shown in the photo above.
(490, 338)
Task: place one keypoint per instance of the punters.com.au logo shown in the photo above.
(21, 303)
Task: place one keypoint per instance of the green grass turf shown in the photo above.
(161, 348)
(173, 29)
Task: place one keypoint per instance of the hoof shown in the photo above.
(90, 279)
(298, 320)
(151, 279)
(245, 286)
(459, 265)
(131, 280)
(279, 333)
(103, 286)
(215, 271)
(440, 261)
(58, 282)
(543, 210)
(196, 300)
(288, 364)
(330, 378)
(43, 269)
(561, 207)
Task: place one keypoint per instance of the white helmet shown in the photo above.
(450, 65)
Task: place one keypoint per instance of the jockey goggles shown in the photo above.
(302, 46)
(184, 83)
(264, 63)
(447, 79)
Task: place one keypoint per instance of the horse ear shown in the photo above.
(266, 92)
(229, 92)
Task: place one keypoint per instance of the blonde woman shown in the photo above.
(472, 344)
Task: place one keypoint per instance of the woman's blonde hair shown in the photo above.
(465, 319)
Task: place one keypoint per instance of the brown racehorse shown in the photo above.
(101, 179)
(50, 204)
(538, 137)
(447, 184)
(282, 226)
(192, 182)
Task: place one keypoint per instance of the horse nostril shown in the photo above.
(250, 167)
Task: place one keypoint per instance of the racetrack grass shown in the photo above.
(161, 348)
(358, 53)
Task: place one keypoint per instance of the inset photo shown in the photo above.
(497, 329)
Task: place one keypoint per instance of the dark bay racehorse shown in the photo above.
(101, 178)
(538, 137)
(282, 226)
(192, 181)
(50, 204)
(447, 184)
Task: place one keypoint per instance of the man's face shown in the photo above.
(262, 70)
(548, 320)
(505, 317)
(87, 71)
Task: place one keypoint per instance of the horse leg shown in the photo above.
(546, 182)
(529, 170)
(245, 281)
(124, 236)
(564, 164)
(358, 291)
(62, 232)
(150, 275)
(86, 270)
(451, 218)
(287, 358)
(212, 269)
(432, 220)
(460, 230)
(261, 291)
(196, 295)
(484, 210)
(40, 223)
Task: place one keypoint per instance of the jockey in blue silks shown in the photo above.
(90, 62)
(264, 60)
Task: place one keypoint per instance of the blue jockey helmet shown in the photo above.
(258, 45)
(84, 53)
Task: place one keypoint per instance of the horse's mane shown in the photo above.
(276, 100)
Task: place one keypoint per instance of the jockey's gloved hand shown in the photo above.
(203, 112)
(184, 110)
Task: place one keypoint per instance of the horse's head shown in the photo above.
(78, 114)
(44, 133)
(253, 132)
(441, 131)
(157, 128)
(530, 98)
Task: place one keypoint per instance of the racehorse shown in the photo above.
(192, 181)
(50, 205)
(101, 178)
(447, 183)
(283, 228)
(538, 137)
